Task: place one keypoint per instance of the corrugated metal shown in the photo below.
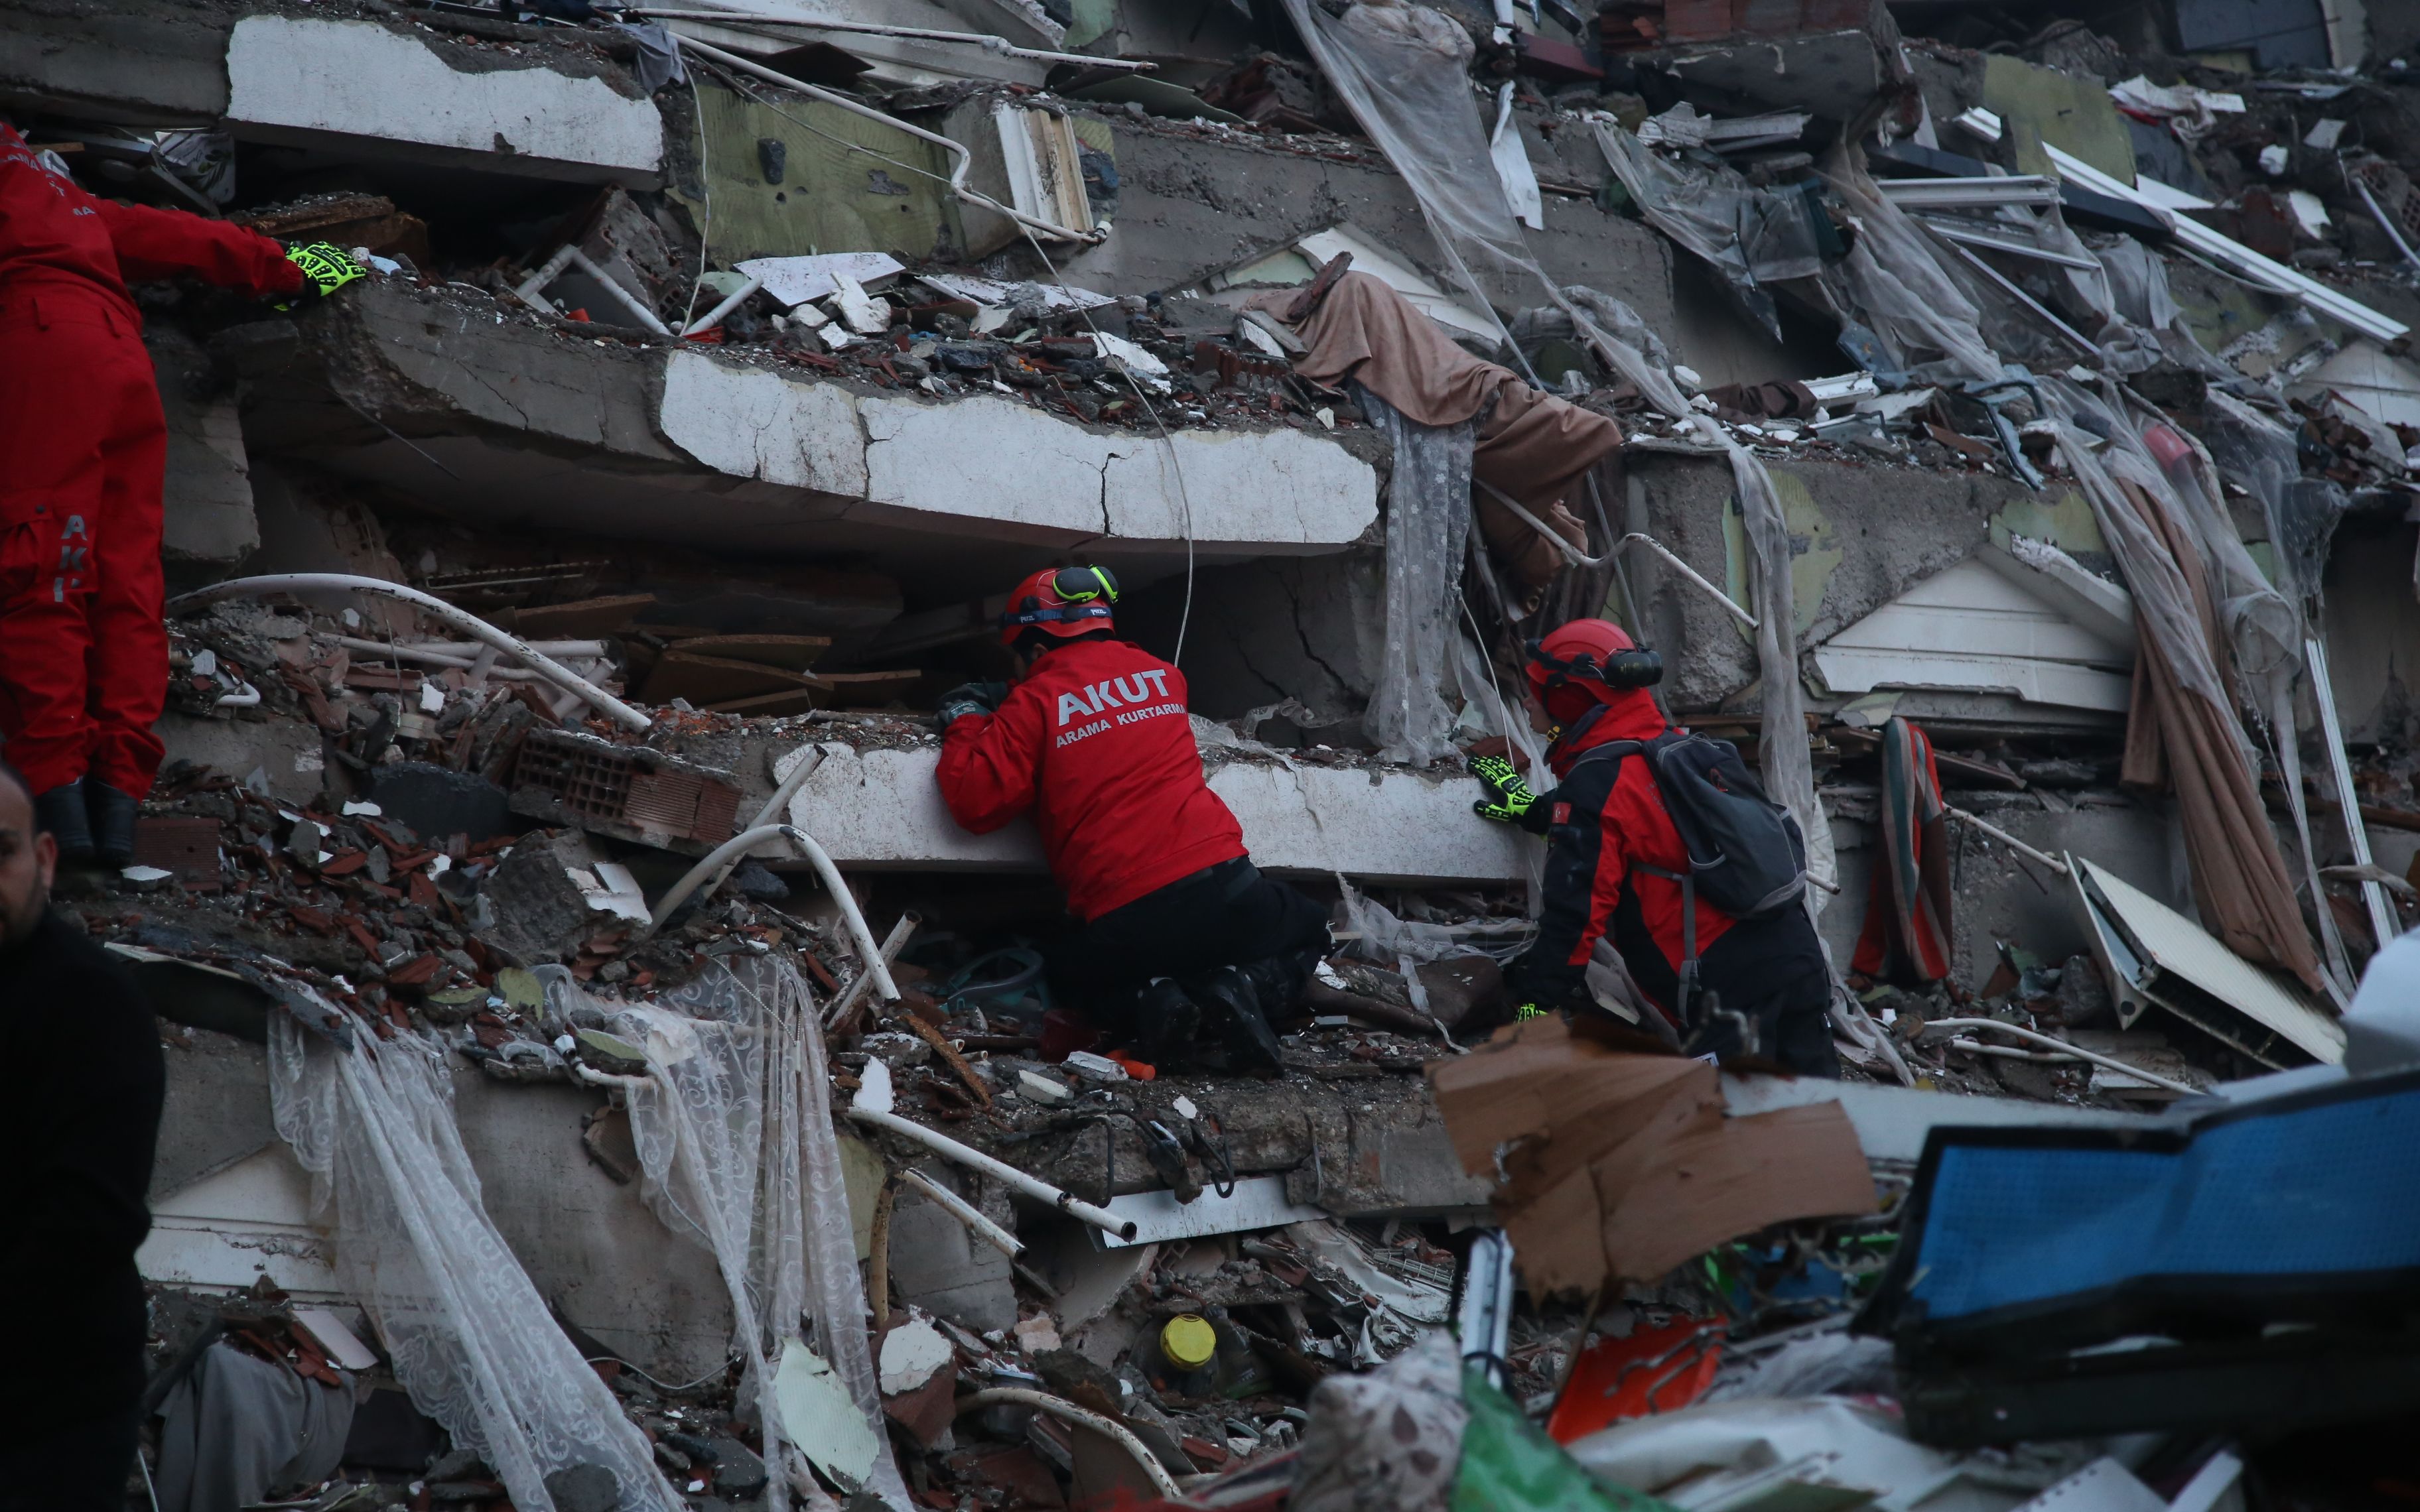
(2155, 953)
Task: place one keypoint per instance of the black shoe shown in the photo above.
(60, 814)
(1228, 999)
(1165, 1021)
(113, 822)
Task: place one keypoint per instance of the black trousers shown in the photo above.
(1227, 915)
(77, 1464)
(1771, 972)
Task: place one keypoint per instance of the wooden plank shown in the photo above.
(865, 690)
(1990, 774)
(709, 680)
(791, 653)
(580, 619)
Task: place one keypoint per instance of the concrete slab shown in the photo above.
(882, 809)
(358, 86)
(486, 415)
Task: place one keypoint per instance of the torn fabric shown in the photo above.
(1907, 933)
(734, 1134)
(1428, 515)
(471, 1339)
(2181, 730)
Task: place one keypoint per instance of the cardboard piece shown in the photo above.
(1622, 1165)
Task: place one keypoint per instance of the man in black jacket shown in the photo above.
(76, 1134)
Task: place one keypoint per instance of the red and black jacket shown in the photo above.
(1606, 822)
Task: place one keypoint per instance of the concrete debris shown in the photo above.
(2068, 348)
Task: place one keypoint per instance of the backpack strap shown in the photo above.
(1688, 934)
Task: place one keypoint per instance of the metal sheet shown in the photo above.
(2174, 949)
(1257, 1202)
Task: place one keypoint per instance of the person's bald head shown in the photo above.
(27, 859)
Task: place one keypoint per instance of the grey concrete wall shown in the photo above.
(209, 519)
(1999, 897)
(590, 1244)
(1305, 627)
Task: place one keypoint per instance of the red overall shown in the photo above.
(83, 655)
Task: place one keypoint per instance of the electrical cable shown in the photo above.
(705, 188)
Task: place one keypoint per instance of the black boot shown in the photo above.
(1165, 1021)
(1229, 1000)
(60, 814)
(113, 822)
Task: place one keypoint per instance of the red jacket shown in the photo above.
(56, 237)
(1600, 833)
(1095, 741)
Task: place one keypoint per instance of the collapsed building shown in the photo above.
(2037, 388)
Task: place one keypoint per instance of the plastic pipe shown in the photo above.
(892, 944)
(2005, 838)
(1573, 555)
(737, 845)
(1061, 1408)
(1001, 46)
(872, 1106)
(964, 1212)
(242, 697)
(713, 317)
(2095, 1056)
(469, 623)
(772, 810)
(957, 180)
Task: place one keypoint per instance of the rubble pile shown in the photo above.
(2021, 396)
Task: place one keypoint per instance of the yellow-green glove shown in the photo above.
(326, 267)
(1512, 799)
(1527, 1010)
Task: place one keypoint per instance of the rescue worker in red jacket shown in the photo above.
(1609, 841)
(84, 652)
(1180, 932)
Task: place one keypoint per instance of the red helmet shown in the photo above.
(1060, 601)
(1592, 651)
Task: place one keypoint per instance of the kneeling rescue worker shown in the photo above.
(1180, 933)
(1724, 948)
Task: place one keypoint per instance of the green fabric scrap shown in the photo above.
(1510, 1465)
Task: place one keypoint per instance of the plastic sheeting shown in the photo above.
(1751, 236)
(1404, 72)
(471, 1339)
(2239, 873)
(1892, 284)
(1428, 518)
(1622, 339)
(734, 1132)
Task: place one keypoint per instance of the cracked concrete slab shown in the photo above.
(499, 419)
(357, 84)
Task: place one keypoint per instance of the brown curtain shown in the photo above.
(2177, 740)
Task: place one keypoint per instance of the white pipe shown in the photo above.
(737, 845)
(713, 317)
(1058, 1407)
(771, 813)
(2005, 838)
(957, 180)
(999, 45)
(2386, 221)
(532, 290)
(964, 1212)
(471, 625)
(892, 944)
(999, 1171)
(2095, 1056)
(1578, 559)
(242, 697)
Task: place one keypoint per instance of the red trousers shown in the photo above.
(84, 654)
